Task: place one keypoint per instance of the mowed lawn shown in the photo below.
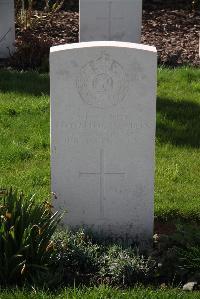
(25, 127)
(102, 293)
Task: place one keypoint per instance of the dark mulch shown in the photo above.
(174, 32)
(61, 27)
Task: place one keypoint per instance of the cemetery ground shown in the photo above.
(25, 165)
(42, 260)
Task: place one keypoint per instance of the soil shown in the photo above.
(174, 32)
(164, 228)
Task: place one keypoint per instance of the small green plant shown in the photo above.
(126, 266)
(26, 228)
(189, 259)
(75, 253)
(188, 249)
(24, 12)
(179, 253)
(56, 6)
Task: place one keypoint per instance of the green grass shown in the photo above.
(24, 131)
(177, 184)
(102, 293)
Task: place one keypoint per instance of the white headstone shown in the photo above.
(103, 105)
(7, 28)
(110, 20)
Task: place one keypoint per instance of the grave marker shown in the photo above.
(102, 136)
(110, 20)
(7, 28)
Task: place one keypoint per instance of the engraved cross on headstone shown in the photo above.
(109, 18)
(5, 35)
(101, 175)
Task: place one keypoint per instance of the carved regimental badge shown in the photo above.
(102, 83)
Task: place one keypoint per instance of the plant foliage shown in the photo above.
(126, 266)
(26, 228)
(75, 254)
(179, 253)
(79, 258)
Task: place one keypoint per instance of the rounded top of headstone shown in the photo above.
(103, 44)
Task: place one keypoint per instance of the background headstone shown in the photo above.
(103, 105)
(7, 28)
(114, 20)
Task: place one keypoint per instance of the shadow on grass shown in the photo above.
(178, 123)
(31, 83)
